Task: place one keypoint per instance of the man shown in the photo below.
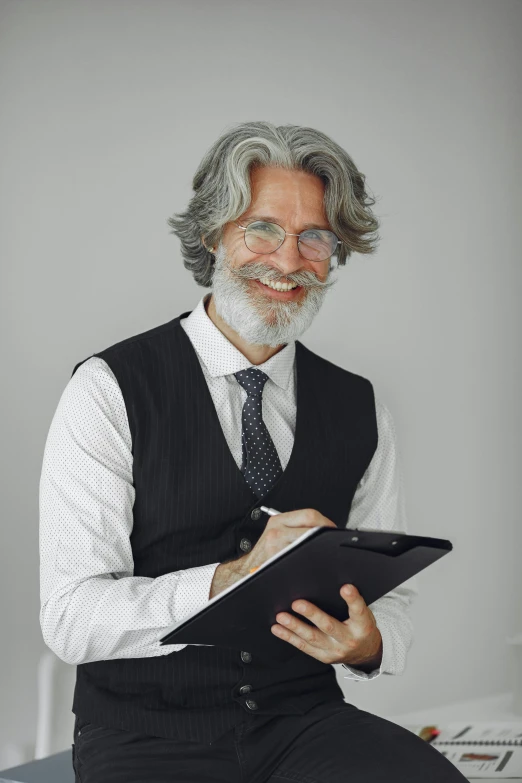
(162, 451)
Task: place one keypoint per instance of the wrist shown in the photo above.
(368, 664)
(226, 574)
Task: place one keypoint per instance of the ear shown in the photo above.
(210, 249)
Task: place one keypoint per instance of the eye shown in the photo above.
(261, 226)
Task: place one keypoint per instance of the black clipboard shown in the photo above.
(313, 567)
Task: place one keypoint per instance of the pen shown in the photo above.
(271, 512)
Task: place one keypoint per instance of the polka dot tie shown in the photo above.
(261, 465)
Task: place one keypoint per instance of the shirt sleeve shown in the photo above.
(378, 504)
(92, 607)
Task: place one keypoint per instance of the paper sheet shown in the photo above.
(495, 762)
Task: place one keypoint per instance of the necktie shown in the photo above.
(261, 465)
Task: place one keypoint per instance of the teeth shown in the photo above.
(279, 286)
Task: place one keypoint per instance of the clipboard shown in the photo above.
(313, 567)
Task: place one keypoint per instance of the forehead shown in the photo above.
(291, 194)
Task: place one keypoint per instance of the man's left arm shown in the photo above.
(378, 504)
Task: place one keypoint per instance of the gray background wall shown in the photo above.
(107, 109)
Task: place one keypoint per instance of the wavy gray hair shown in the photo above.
(222, 189)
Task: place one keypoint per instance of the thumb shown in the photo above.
(349, 592)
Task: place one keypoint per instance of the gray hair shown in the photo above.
(222, 189)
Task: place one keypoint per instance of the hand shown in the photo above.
(281, 530)
(356, 641)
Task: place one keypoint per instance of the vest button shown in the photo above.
(245, 656)
(245, 545)
(245, 689)
(252, 705)
(255, 513)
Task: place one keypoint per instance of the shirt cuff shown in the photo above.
(352, 673)
(193, 590)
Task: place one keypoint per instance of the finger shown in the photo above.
(293, 637)
(292, 624)
(357, 607)
(323, 621)
(361, 621)
(360, 615)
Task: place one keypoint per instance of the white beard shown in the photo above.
(256, 317)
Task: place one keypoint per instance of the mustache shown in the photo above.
(257, 270)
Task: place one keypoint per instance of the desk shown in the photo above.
(58, 767)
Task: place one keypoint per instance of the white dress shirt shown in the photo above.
(92, 607)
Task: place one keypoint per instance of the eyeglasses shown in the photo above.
(315, 244)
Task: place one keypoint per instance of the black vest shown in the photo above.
(193, 507)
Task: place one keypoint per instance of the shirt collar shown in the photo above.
(221, 357)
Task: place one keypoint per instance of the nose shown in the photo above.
(287, 258)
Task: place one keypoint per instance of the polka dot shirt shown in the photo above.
(92, 607)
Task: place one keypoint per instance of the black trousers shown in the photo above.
(332, 743)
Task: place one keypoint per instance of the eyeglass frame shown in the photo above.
(288, 234)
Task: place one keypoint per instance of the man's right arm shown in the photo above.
(92, 606)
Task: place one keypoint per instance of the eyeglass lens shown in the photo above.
(314, 244)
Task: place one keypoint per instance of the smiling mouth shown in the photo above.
(291, 293)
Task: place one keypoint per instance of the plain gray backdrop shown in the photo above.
(108, 108)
